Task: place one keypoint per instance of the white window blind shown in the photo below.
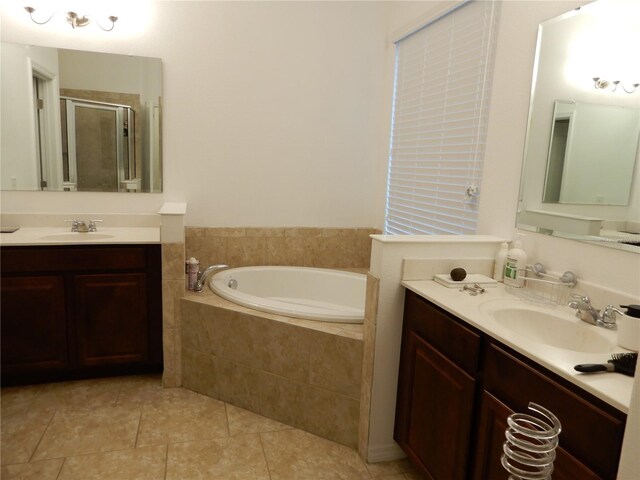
(441, 105)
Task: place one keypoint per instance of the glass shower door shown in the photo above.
(96, 149)
(97, 146)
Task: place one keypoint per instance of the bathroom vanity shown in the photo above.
(458, 384)
(80, 310)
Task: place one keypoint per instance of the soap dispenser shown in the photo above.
(498, 265)
(515, 264)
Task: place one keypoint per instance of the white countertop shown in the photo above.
(63, 236)
(613, 388)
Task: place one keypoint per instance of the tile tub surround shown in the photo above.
(173, 288)
(303, 247)
(304, 373)
(369, 335)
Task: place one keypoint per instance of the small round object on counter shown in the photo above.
(458, 274)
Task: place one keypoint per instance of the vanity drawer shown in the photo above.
(76, 258)
(591, 430)
(447, 334)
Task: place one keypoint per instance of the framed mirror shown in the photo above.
(581, 171)
(80, 121)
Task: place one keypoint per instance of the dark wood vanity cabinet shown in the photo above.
(456, 388)
(436, 391)
(80, 311)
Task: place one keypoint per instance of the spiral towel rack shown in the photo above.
(531, 441)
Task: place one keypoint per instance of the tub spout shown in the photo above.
(202, 276)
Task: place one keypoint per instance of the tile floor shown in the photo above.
(130, 428)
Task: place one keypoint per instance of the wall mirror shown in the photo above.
(581, 171)
(80, 121)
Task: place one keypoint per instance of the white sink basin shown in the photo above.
(76, 236)
(547, 326)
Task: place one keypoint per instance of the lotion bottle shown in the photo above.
(515, 265)
(192, 272)
(498, 266)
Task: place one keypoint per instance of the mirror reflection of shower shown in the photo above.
(98, 146)
(87, 101)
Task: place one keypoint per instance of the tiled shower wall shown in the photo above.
(304, 247)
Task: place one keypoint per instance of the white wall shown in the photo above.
(271, 110)
(18, 134)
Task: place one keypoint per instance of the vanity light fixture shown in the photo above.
(73, 19)
(600, 83)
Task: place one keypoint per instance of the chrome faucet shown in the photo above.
(82, 227)
(587, 313)
(202, 276)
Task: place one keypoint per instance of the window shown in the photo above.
(441, 105)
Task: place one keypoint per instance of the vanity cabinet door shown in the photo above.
(111, 319)
(436, 390)
(34, 327)
(490, 438)
(436, 398)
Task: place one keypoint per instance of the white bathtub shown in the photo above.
(311, 293)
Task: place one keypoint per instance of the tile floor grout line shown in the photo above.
(118, 395)
(166, 462)
(97, 452)
(135, 444)
(64, 460)
(42, 436)
(264, 454)
(226, 414)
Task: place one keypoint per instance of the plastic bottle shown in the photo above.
(515, 265)
(498, 266)
(192, 272)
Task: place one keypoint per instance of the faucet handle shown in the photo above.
(92, 224)
(609, 315)
(74, 225)
(579, 298)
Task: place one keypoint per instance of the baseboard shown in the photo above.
(384, 453)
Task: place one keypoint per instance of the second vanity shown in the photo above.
(468, 362)
(78, 305)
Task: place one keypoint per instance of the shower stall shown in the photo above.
(98, 146)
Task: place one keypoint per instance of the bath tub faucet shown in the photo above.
(202, 276)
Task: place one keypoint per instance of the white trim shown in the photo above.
(52, 146)
(384, 453)
(440, 10)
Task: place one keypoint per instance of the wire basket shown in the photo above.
(543, 288)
